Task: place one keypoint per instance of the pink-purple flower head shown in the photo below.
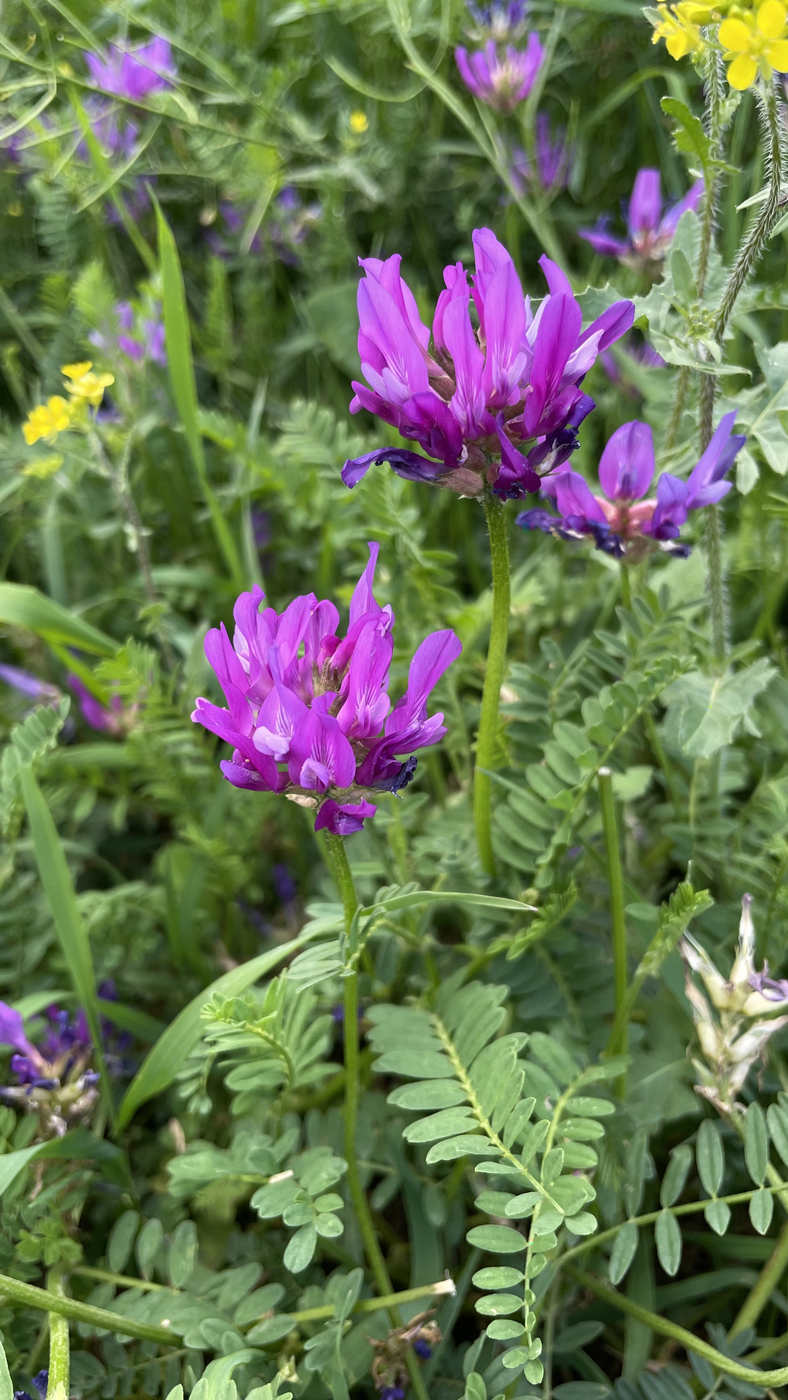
(498, 405)
(650, 227)
(624, 518)
(309, 713)
(553, 159)
(501, 75)
(501, 20)
(133, 73)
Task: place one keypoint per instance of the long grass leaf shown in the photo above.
(169, 1054)
(71, 931)
(23, 606)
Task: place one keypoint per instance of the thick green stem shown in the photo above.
(28, 1296)
(617, 1044)
(495, 512)
(344, 881)
(768, 1279)
(626, 586)
(58, 1383)
(772, 126)
(688, 1340)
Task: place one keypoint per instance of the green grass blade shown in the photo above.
(171, 1051)
(71, 931)
(23, 606)
(184, 388)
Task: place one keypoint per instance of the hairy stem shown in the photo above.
(495, 513)
(617, 1045)
(343, 878)
(772, 126)
(714, 86)
(59, 1349)
(682, 385)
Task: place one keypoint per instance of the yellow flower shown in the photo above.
(755, 42)
(86, 385)
(679, 28)
(47, 420)
(359, 122)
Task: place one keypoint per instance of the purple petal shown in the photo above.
(537, 519)
(611, 325)
(577, 503)
(557, 281)
(691, 200)
(409, 465)
(705, 485)
(556, 336)
(12, 1032)
(626, 467)
(504, 327)
(516, 476)
(345, 818)
(645, 205)
(468, 401)
(242, 777)
(671, 508)
(603, 242)
(28, 684)
(432, 658)
(320, 755)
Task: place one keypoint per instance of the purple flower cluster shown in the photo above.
(54, 1080)
(309, 713)
(130, 73)
(140, 334)
(501, 76)
(287, 230)
(621, 516)
(650, 227)
(501, 19)
(509, 391)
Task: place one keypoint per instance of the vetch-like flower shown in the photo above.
(499, 405)
(501, 76)
(46, 420)
(502, 20)
(650, 228)
(53, 1080)
(140, 333)
(83, 383)
(115, 720)
(309, 713)
(621, 521)
(755, 42)
(28, 684)
(735, 1018)
(553, 156)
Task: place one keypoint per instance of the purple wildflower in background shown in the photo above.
(650, 229)
(28, 684)
(621, 516)
(501, 76)
(500, 20)
(54, 1080)
(553, 159)
(288, 228)
(472, 396)
(138, 333)
(106, 721)
(133, 73)
(309, 713)
(636, 351)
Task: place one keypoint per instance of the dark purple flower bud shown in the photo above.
(422, 1348)
(41, 1382)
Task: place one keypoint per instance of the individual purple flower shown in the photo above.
(639, 354)
(54, 1079)
(553, 159)
(308, 712)
(28, 684)
(622, 521)
(107, 721)
(501, 76)
(488, 406)
(138, 333)
(133, 73)
(650, 228)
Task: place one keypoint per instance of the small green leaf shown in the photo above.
(273, 1329)
(504, 1330)
(756, 1143)
(183, 1253)
(429, 1094)
(584, 1223)
(690, 135)
(121, 1240)
(149, 1242)
(300, 1249)
(552, 1165)
(497, 1278)
(761, 1211)
(498, 1304)
(778, 1130)
(718, 1216)
(676, 1174)
(667, 1235)
(623, 1252)
(329, 1226)
(711, 1157)
(534, 1372)
(497, 1239)
(585, 1107)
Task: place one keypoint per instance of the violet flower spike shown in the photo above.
(518, 376)
(309, 713)
(501, 77)
(621, 519)
(501, 20)
(650, 231)
(133, 73)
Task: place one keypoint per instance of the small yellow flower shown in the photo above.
(359, 123)
(679, 29)
(86, 385)
(755, 43)
(47, 420)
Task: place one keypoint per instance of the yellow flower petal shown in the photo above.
(741, 73)
(735, 35)
(777, 55)
(677, 44)
(771, 19)
(76, 371)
